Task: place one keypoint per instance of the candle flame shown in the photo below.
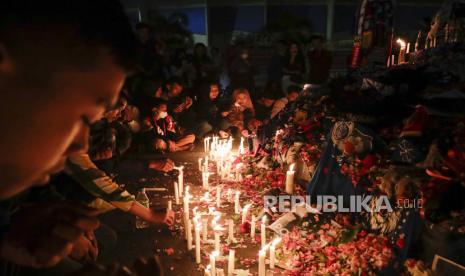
(401, 42)
(214, 254)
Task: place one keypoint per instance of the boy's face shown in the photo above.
(43, 123)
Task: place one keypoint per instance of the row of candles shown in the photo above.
(220, 151)
(405, 50)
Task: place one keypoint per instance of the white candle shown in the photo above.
(231, 230)
(205, 229)
(197, 243)
(252, 227)
(181, 180)
(170, 205)
(237, 207)
(241, 146)
(231, 261)
(200, 164)
(263, 231)
(273, 252)
(408, 47)
(189, 235)
(245, 212)
(261, 263)
(218, 197)
(229, 194)
(393, 60)
(205, 164)
(290, 180)
(176, 192)
(213, 262)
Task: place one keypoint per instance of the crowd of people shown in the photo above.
(180, 98)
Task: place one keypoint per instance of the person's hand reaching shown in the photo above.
(164, 166)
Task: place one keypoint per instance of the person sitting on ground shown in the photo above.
(163, 132)
(208, 110)
(293, 92)
(235, 119)
(179, 105)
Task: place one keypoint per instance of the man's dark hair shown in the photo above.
(72, 33)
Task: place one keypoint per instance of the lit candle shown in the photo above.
(263, 231)
(401, 57)
(273, 252)
(393, 60)
(176, 192)
(245, 212)
(213, 262)
(218, 197)
(200, 164)
(231, 261)
(189, 235)
(290, 180)
(252, 227)
(170, 205)
(216, 229)
(231, 230)
(261, 262)
(205, 164)
(205, 144)
(197, 243)
(180, 179)
(408, 48)
(237, 207)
